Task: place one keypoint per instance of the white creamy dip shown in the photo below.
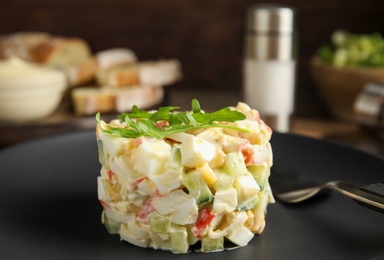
(29, 91)
(18, 74)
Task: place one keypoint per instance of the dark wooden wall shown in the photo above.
(206, 35)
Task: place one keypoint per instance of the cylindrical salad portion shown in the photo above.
(183, 181)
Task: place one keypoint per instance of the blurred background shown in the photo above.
(206, 36)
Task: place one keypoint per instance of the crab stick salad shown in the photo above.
(183, 181)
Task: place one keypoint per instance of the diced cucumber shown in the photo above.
(103, 155)
(159, 224)
(260, 173)
(113, 227)
(179, 239)
(248, 204)
(174, 161)
(211, 245)
(223, 181)
(192, 239)
(161, 241)
(197, 187)
(261, 205)
(234, 164)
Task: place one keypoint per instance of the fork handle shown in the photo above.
(370, 196)
(377, 190)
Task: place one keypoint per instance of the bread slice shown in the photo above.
(159, 73)
(119, 77)
(85, 71)
(90, 100)
(115, 57)
(81, 73)
(44, 48)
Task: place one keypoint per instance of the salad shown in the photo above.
(183, 181)
(353, 50)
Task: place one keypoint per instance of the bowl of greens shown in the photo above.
(343, 67)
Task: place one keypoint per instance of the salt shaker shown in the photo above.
(269, 63)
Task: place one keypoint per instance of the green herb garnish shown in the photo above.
(167, 121)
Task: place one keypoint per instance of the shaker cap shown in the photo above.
(268, 18)
(270, 33)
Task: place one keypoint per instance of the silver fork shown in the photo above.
(290, 186)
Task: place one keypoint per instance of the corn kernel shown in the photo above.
(207, 174)
(218, 160)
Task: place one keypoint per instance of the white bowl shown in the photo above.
(27, 105)
(28, 91)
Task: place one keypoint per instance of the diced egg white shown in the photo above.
(246, 186)
(196, 151)
(186, 213)
(101, 191)
(270, 155)
(151, 156)
(167, 181)
(112, 143)
(179, 137)
(243, 107)
(251, 125)
(211, 136)
(240, 236)
(225, 201)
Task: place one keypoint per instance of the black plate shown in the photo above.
(49, 206)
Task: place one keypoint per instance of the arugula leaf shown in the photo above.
(135, 113)
(227, 115)
(142, 123)
(162, 114)
(150, 129)
(195, 106)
